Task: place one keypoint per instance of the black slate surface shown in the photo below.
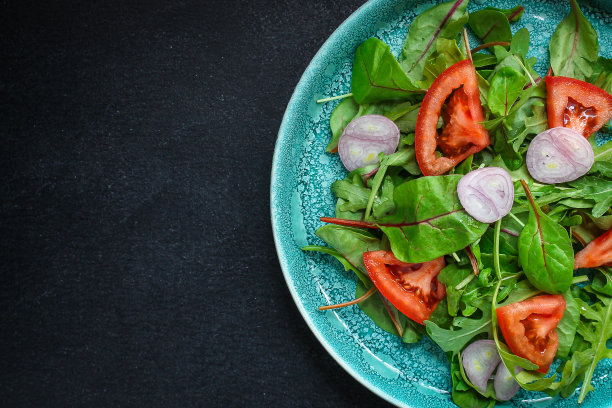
(138, 266)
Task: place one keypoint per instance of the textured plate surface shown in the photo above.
(407, 375)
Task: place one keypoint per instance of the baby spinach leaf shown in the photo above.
(490, 25)
(573, 46)
(455, 339)
(377, 76)
(414, 227)
(505, 87)
(514, 14)
(566, 329)
(350, 242)
(441, 21)
(340, 117)
(545, 251)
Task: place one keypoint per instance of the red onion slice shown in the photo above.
(559, 155)
(505, 385)
(479, 360)
(487, 194)
(364, 138)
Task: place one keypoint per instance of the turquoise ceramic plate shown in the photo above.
(405, 375)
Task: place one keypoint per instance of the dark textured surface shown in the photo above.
(138, 266)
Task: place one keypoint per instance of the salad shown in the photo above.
(477, 206)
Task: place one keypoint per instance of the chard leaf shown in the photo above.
(490, 25)
(441, 21)
(514, 14)
(545, 251)
(505, 87)
(413, 227)
(377, 76)
(573, 46)
(340, 117)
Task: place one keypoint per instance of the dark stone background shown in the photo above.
(138, 266)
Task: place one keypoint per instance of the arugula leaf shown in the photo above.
(505, 87)
(566, 329)
(340, 117)
(597, 189)
(597, 332)
(573, 46)
(377, 76)
(442, 21)
(455, 340)
(545, 251)
(413, 227)
(451, 276)
(490, 25)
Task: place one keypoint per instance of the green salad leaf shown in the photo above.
(545, 251)
(444, 20)
(490, 25)
(573, 46)
(377, 76)
(413, 227)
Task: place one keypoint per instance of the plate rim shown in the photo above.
(298, 90)
(275, 184)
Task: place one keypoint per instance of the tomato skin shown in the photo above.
(576, 104)
(462, 123)
(413, 289)
(597, 253)
(529, 328)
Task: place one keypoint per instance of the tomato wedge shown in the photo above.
(597, 253)
(529, 328)
(577, 105)
(412, 288)
(461, 135)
